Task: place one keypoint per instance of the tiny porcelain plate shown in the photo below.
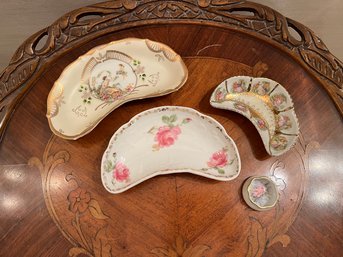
(266, 104)
(164, 140)
(260, 193)
(108, 76)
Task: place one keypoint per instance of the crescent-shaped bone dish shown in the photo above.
(266, 104)
(108, 76)
(164, 140)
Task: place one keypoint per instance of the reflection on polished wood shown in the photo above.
(53, 202)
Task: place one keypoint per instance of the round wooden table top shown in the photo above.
(51, 196)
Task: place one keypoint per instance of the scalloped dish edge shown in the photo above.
(166, 50)
(217, 100)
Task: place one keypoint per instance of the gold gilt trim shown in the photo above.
(52, 99)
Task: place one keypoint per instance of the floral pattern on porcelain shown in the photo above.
(167, 140)
(261, 124)
(279, 142)
(115, 84)
(278, 101)
(166, 135)
(261, 88)
(219, 160)
(283, 122)
(239, 86)
(259, 193)
(220, 94)
(266, 103)
(120, 172)
(108, 76)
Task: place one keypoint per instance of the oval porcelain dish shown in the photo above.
(165, 140)
(266, 104)
(108, 76)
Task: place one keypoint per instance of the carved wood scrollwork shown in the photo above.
(72, 29)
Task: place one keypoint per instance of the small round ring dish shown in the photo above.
(260, 193)
(266, 104)
(166, 140)
(108, 76)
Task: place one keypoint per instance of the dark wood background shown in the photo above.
(173, 215)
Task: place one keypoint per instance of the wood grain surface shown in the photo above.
(23, 18)
(52, 199)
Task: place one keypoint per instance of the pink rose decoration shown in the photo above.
(166, 135)
(121, 172)
(259, 191)
(218, 159)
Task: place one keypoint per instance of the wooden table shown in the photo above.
(51, 196)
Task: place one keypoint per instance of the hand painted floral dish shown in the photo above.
(266, 104)
(260, 193)
(107, 77)
(165, 140)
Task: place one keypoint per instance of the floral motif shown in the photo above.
(239, 87)
(283, 122)
(261, 87)
(111, 85)
(279, 142)
(240, 107)
(220, 95)
(219, 160)
(258, 190)
(165, 136)
(79, 200)
(129, 88)
(139, 69)
(120, 172)
(261, 124)
(86, 94)
(278, 100)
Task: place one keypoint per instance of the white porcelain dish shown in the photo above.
(164, 140)
(260, 193)
(108, 76)
(266, 104)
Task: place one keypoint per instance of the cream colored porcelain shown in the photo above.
(266, 104)
(107, 77)
(260, 193)
(164, 140)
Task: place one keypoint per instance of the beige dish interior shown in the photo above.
(108, 76)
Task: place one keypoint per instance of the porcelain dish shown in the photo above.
(108, 76)
(165, 140)
(260, 193)
(266, 104)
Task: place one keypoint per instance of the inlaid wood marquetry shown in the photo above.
(51, 196)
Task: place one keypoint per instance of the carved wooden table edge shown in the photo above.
(71, 31)
(28, 62)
